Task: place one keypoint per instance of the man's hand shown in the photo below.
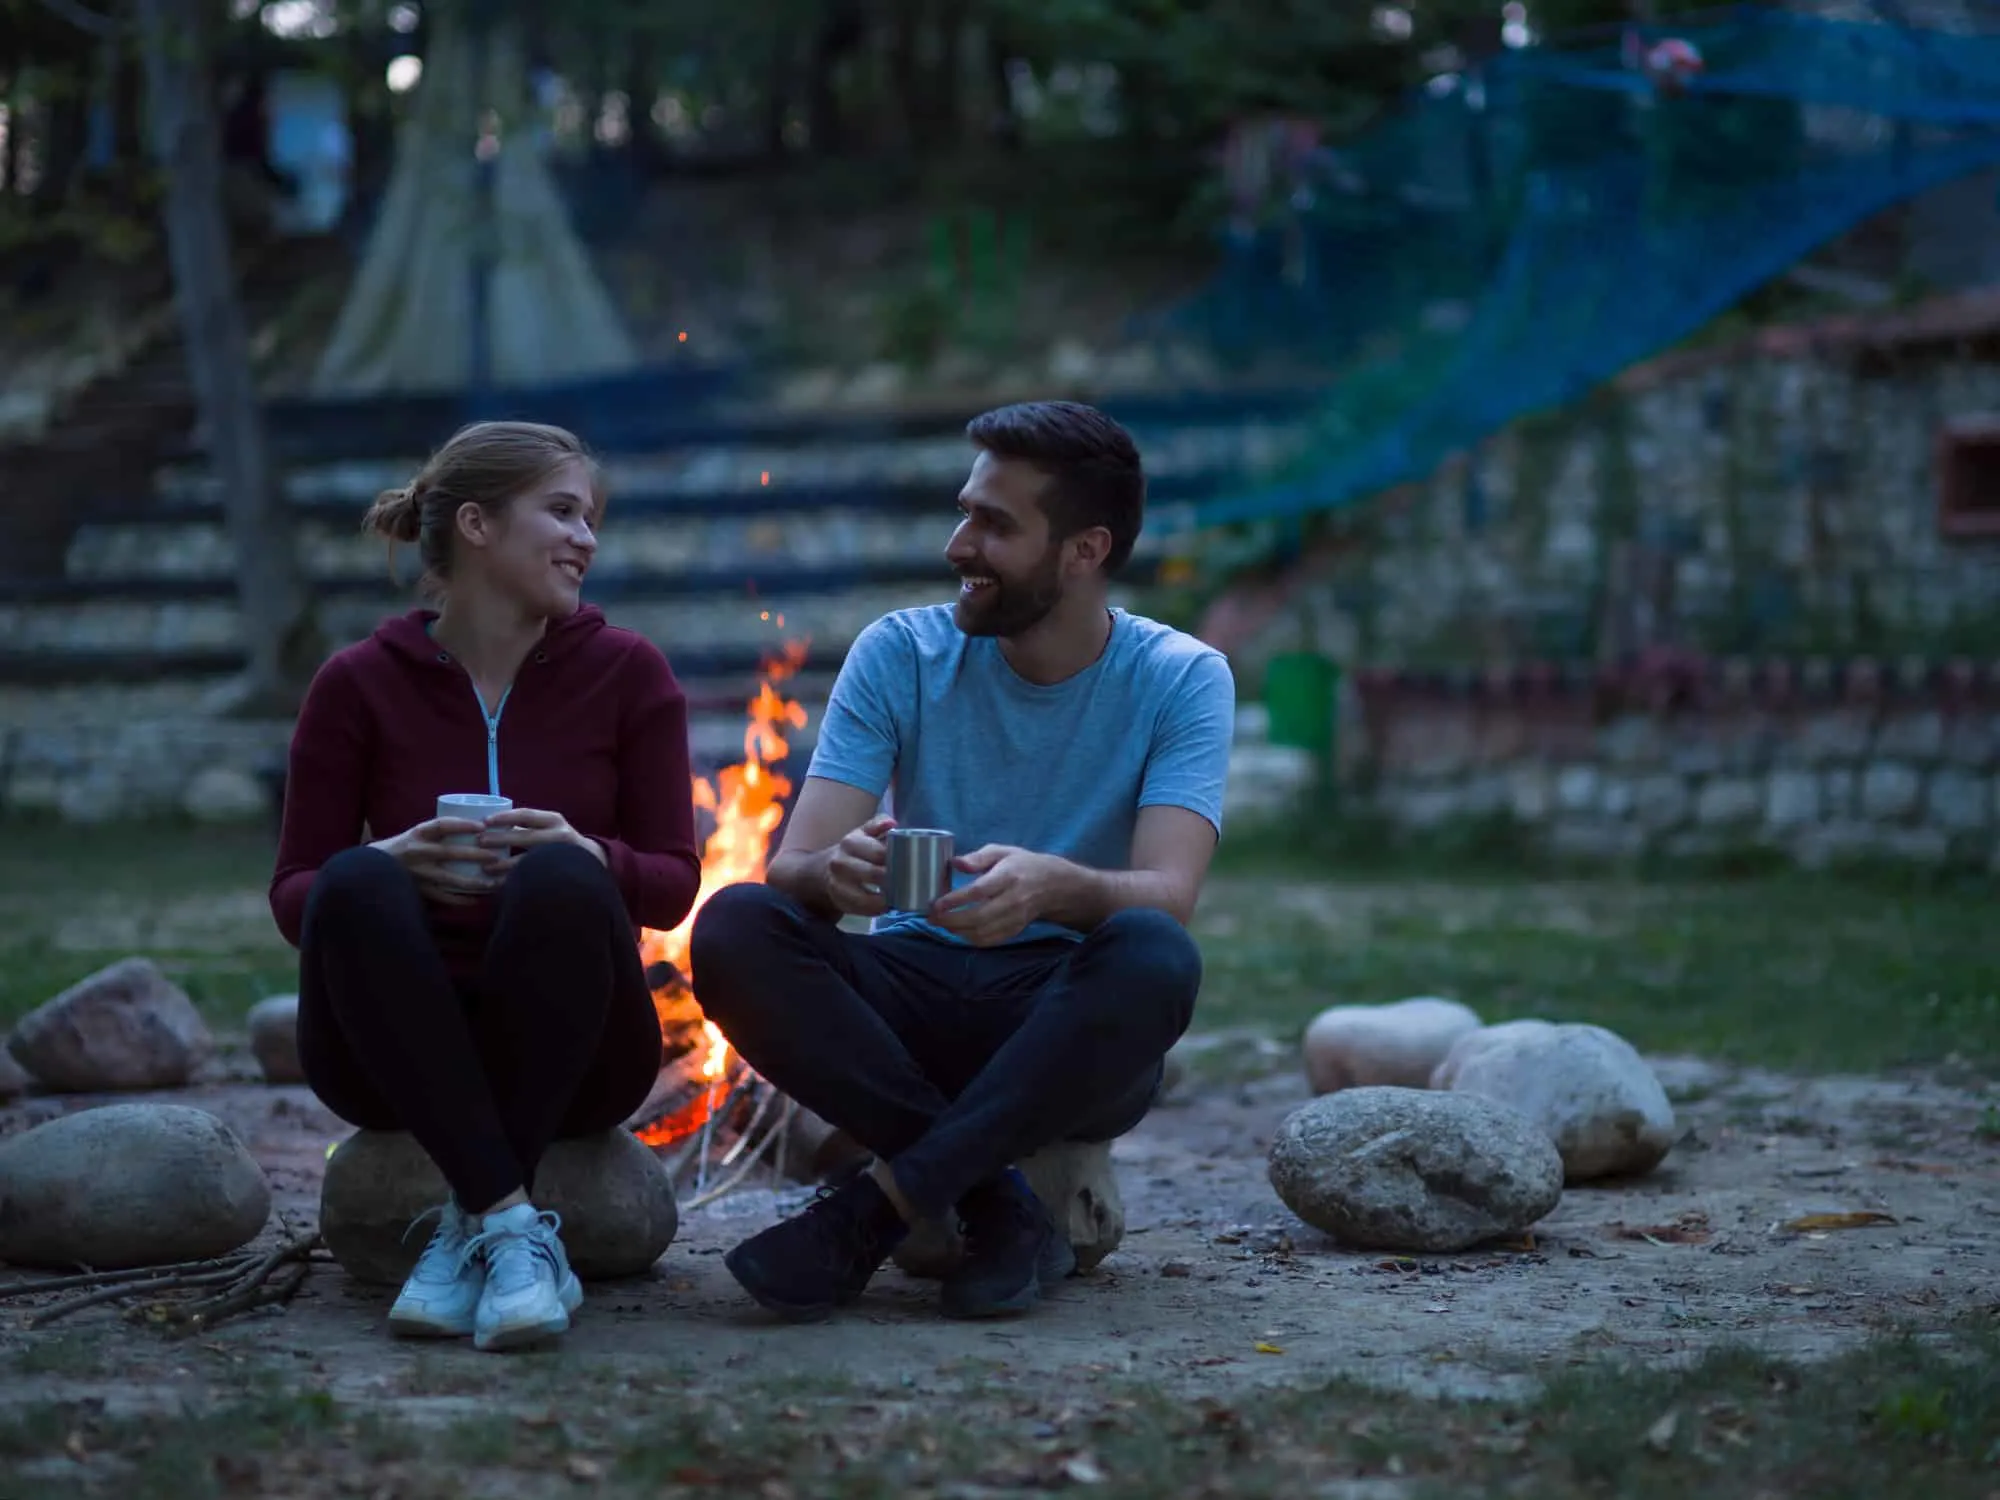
(857, 868)
(1014, 888)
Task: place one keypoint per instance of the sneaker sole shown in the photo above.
(522, 1335)
(791, 1312)
(412, 1326)
(526, 1335)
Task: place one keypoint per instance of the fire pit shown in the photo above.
(709, 1116)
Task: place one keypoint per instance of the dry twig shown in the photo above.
(749, 1164)
(239, 1282)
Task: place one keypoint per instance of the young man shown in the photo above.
(1077, 754)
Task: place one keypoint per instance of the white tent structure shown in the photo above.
(407, 324)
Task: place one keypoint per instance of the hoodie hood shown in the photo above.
(408, 636)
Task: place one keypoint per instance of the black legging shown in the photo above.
(556, 1037)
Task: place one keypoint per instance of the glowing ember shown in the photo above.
(746, 803)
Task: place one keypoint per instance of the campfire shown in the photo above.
(709, 1114)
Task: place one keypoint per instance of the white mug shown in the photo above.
(477, 806)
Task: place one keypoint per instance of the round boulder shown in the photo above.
(15, 1080)
(274, 1038)
(1360, 1046)
(611, 1192)
(128, 1185)
(125, 1027)
(1588, 1088)
(1411, 1170)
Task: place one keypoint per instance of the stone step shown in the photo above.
(640, 412)
(827, 619)
(686, 555)
(710, 510)
(725, 469)
(134, 641)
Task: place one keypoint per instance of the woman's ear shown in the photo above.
(474, 526)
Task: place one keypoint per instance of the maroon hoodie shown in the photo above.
(594, 728)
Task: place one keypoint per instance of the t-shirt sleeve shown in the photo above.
(860, 734)
(1188, 763)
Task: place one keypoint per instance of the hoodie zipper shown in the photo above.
(492, 736)
(492, 719)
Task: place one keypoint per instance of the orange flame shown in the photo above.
(747, 802)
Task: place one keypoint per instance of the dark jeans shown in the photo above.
(555, 1037)
(948, 1062)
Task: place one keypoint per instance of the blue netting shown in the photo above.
(1514, 239)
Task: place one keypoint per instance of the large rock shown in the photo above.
(274, 1038)
(1588, 1088)
(1074, 1180)
(1362, 1046)
(1410, 1170)
(128, 1185)
(611, 1192)
(125, 1027)
(15, 1080)
(814, 1150)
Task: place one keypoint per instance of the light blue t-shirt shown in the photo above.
(961, 741)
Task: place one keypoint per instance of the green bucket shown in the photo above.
(1301, 695)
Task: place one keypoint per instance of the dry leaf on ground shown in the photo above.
(1859, 1220)
(1691, 1228)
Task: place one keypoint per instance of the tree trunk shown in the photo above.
(1003, 126)
(279, 626)
(10, 154)
(905, 80)
(842, 30)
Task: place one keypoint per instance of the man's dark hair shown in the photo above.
(1095, 477)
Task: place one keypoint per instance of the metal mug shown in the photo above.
(919, 868)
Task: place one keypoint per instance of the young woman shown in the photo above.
(489, 999)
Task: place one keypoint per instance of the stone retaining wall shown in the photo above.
(1822, 762)
(209, 769)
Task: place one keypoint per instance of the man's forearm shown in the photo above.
(802, 876)
(1084, 898)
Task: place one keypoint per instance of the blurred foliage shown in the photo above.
(1114, 106)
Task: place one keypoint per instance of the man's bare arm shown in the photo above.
(825, 813)
(1171, 850)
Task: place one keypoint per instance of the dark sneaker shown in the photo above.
(822, 1258)
(1012, 1250)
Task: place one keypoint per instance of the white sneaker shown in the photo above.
(530, 1290)
(442, 1295)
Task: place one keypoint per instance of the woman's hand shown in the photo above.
(522, 828)
(451, 874)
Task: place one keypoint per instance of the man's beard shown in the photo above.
(1009, 606)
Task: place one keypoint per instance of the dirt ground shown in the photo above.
(1217, 1286)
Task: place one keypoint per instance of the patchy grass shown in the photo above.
(1903, 1415)
(1778, 970)
(192, 899)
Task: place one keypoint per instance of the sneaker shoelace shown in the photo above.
(836, 1223)
(444, 1257)
(516, 1258)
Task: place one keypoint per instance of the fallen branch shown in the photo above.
(273, 1287)
(116, 1278)
(240, 1282)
